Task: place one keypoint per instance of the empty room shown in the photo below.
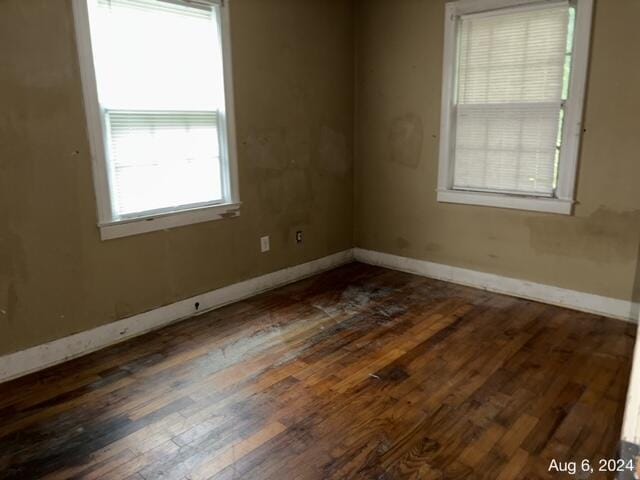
(319, 239)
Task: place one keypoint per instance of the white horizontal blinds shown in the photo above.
(163, 160)
(511, 71)
(160, 85)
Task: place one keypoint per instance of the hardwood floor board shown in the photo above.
(346, 360)
(513, 468)
(103, 469)
(140, 442)
(191, 457)
(151, 371)
(550, 421)
(359, 372)
(60, 449)
(438, 440)
(511, 441)
(156, 455)
(333, 431)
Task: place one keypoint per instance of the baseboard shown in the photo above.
(21, 363)
(585, 302)
(42, 356)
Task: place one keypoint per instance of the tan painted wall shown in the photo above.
(293, 64)
(398, 86)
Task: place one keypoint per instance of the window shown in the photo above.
(514, 79)
(159, 115)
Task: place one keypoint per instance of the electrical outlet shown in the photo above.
(299, 236)
(264, 244)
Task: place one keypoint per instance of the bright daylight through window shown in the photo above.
(510, 84)
(160, 84)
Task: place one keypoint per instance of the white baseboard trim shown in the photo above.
(42, 356)
(585, 302)
(21, 363)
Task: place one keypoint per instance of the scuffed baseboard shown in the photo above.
(585, 302)
(42, 356)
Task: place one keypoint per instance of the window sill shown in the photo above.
(164, 221)
(515, 202)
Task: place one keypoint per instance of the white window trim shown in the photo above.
(149, 222)
(568, 164)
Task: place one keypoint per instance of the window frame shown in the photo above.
(112, 226)
(563, 201)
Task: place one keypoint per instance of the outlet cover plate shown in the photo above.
(264, 244)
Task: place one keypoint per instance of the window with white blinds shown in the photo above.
(511, 71)
(160, 86)
(509, 83)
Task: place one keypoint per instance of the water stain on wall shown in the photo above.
(266, 149)
(432, 247)
(405, 140)
(279, 157)
(605, 235)
(58, 278)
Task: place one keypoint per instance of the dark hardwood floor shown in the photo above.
(360, 372)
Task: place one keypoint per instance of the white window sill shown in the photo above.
(516, 202)
(164, 221)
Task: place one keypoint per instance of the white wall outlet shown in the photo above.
(264, 244)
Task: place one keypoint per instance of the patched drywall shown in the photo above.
(293, 79)
(398, 91)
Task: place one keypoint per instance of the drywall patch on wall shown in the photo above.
(405, 140)
(279, 158)
(266, 149)
(605, 236)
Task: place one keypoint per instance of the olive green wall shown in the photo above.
(293, 76)
(398, 86)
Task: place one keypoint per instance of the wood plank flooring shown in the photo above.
(360, 372)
